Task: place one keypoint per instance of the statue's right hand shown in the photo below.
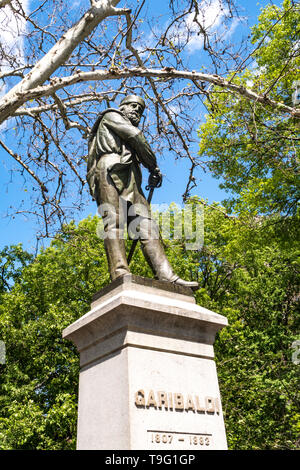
(155, 178)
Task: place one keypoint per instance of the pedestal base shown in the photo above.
(148, 378)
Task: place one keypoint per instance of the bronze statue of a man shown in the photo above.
(116, 149)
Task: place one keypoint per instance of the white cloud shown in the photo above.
(210, 17)
(174, 108)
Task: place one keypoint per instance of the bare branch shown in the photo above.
(26, 167)
(57, 55)
(167, 73)
(67, 103)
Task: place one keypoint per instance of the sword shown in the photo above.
(135, 241)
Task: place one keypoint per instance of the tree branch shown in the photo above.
(166, 73)
(3, 3)
(26, 167)
(57, 55)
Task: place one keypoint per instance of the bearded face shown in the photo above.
(133, 111)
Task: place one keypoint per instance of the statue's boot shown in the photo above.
(160, 265)
(152, 249)
(116, 255)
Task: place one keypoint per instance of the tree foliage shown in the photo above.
(251, 277)
(253, 150)
(12, 261)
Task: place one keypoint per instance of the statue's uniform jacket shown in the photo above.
(116, 150)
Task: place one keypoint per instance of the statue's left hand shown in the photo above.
(155, 178)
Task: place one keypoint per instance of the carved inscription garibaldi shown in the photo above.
(116, 149)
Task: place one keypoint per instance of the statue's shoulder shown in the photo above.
(110, 113)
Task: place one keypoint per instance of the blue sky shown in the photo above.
(21, 229)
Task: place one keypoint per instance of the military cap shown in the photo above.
(133, 99)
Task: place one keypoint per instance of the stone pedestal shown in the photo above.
(148, 378)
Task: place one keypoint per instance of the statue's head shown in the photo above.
(133, 107)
